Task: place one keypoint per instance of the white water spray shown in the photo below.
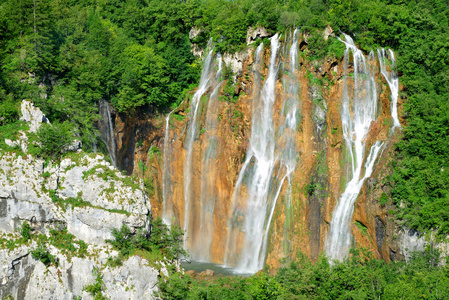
(392, 79)
(167, 205)
(108, 133)
(204, 85)
(201, 247)
(258, 187)
(358, 112)
(285, 146)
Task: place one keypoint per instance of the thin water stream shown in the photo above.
(359, 110)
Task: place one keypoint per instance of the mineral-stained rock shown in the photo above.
(322, 170)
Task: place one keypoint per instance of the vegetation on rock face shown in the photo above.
(358, 277)
(62, 240)
(51, 141)
(96, 289)
(158, 244)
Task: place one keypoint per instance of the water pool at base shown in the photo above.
(200, 266)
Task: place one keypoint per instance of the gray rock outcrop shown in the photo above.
(83, 194)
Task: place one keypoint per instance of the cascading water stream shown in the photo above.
(358, 112)
(167, 208)
(258, 187)
(254, 175)
(286, 146)
(201, 247)
(392, 79)
(205, 83)
(107, 134)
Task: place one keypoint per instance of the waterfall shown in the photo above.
(392, 79)
(167, 208)
(227, 217)
(107, 130)
(358, 112)
(270, 160)
(200, 249)
(205, 83)
(286, 145)
(286, 135)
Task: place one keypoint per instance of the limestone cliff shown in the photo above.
(82, 196)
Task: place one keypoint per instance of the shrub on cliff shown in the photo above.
(41, 253)
(51, 141)
(160, 241)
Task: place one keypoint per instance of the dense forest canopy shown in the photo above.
(67, 55)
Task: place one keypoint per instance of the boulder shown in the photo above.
(256, 33)
(32, 115)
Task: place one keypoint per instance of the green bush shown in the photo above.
(51, 141)
(358, 277)
(96, 289)
(66, 242)
(161, 239)
(25, 231)
(9, 112)
(41, 253)
(11, 131)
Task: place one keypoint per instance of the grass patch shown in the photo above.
(362, 228)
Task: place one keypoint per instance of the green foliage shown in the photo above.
(149, 188)
(420, 180)
(178, 117)
(362, 228)
(11, 242)
(8, 109)
(142, 167)
(359, 277)
(237, 114)
(11, 131)
(161, 240)
(132, 54)
(313, 79)
(70, 201)
(51, 141)
(67, 243)
(383, 199)
(41, 253)
(229, 93)
(25, 231)
(96, 289)
(154, 150)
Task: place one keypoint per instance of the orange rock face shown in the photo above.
(301, 221)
